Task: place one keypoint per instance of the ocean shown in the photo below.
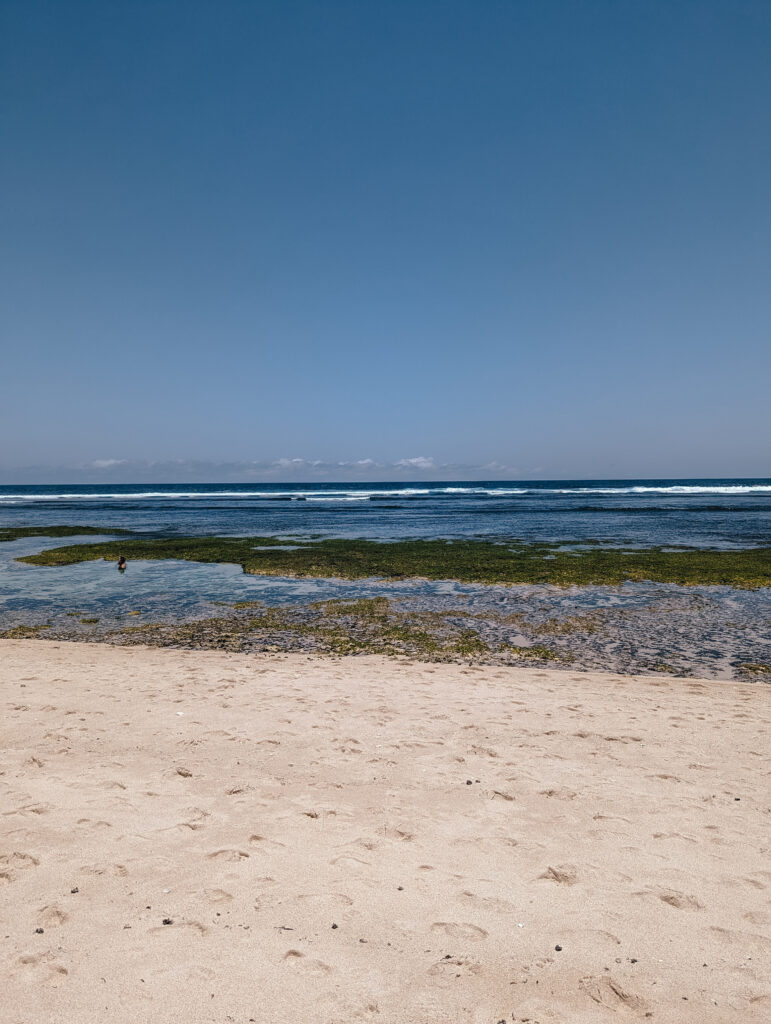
(705, 513)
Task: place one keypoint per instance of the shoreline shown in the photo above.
(372, 839)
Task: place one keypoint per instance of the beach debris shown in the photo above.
(333, 927)
(38, 931)
(558, 949)
(74, 889)
(167, 920)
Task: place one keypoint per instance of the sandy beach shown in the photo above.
(204, 836)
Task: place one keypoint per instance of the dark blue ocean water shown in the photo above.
(721, 513)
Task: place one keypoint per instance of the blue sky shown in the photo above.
(274, 240)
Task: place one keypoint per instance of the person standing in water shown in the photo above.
(121, 564)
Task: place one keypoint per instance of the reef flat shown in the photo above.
(651, 628)
(468, 561)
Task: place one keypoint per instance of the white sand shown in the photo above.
(256, 802)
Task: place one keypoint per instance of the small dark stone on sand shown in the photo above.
(75, 889)
(633, 960)
(735, 798)
(167, 920)
(468, 782)
(400, 888)
(448, 956)
(38, 931)
(334, 926)
(558, 948)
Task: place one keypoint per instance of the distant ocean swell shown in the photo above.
(342, 495)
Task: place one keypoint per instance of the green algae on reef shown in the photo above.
(23, 632)
(366, 626)
(468, 561)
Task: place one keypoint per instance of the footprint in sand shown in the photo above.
(563, 874)
(196, 818)
(115, 870)
(194, 926)
(200, 973)
(27, 809)
(217, 895)
(491, 903)
(743, 939)
(347, 861)
(446, 971)
(45, 966)
(760, 917)
(228, 855)
(317, 967)
(678, 900)
(15, 861)
(610, 994)
(51, 917)
(602, 940)
(457, 965)
(459, 930)
(56, 974)
(263, 843)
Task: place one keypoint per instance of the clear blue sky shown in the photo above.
(510, 239)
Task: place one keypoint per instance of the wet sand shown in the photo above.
(196, 836)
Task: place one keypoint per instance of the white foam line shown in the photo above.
(401, 492)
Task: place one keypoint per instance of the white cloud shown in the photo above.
(419, 462)
(107, 463)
